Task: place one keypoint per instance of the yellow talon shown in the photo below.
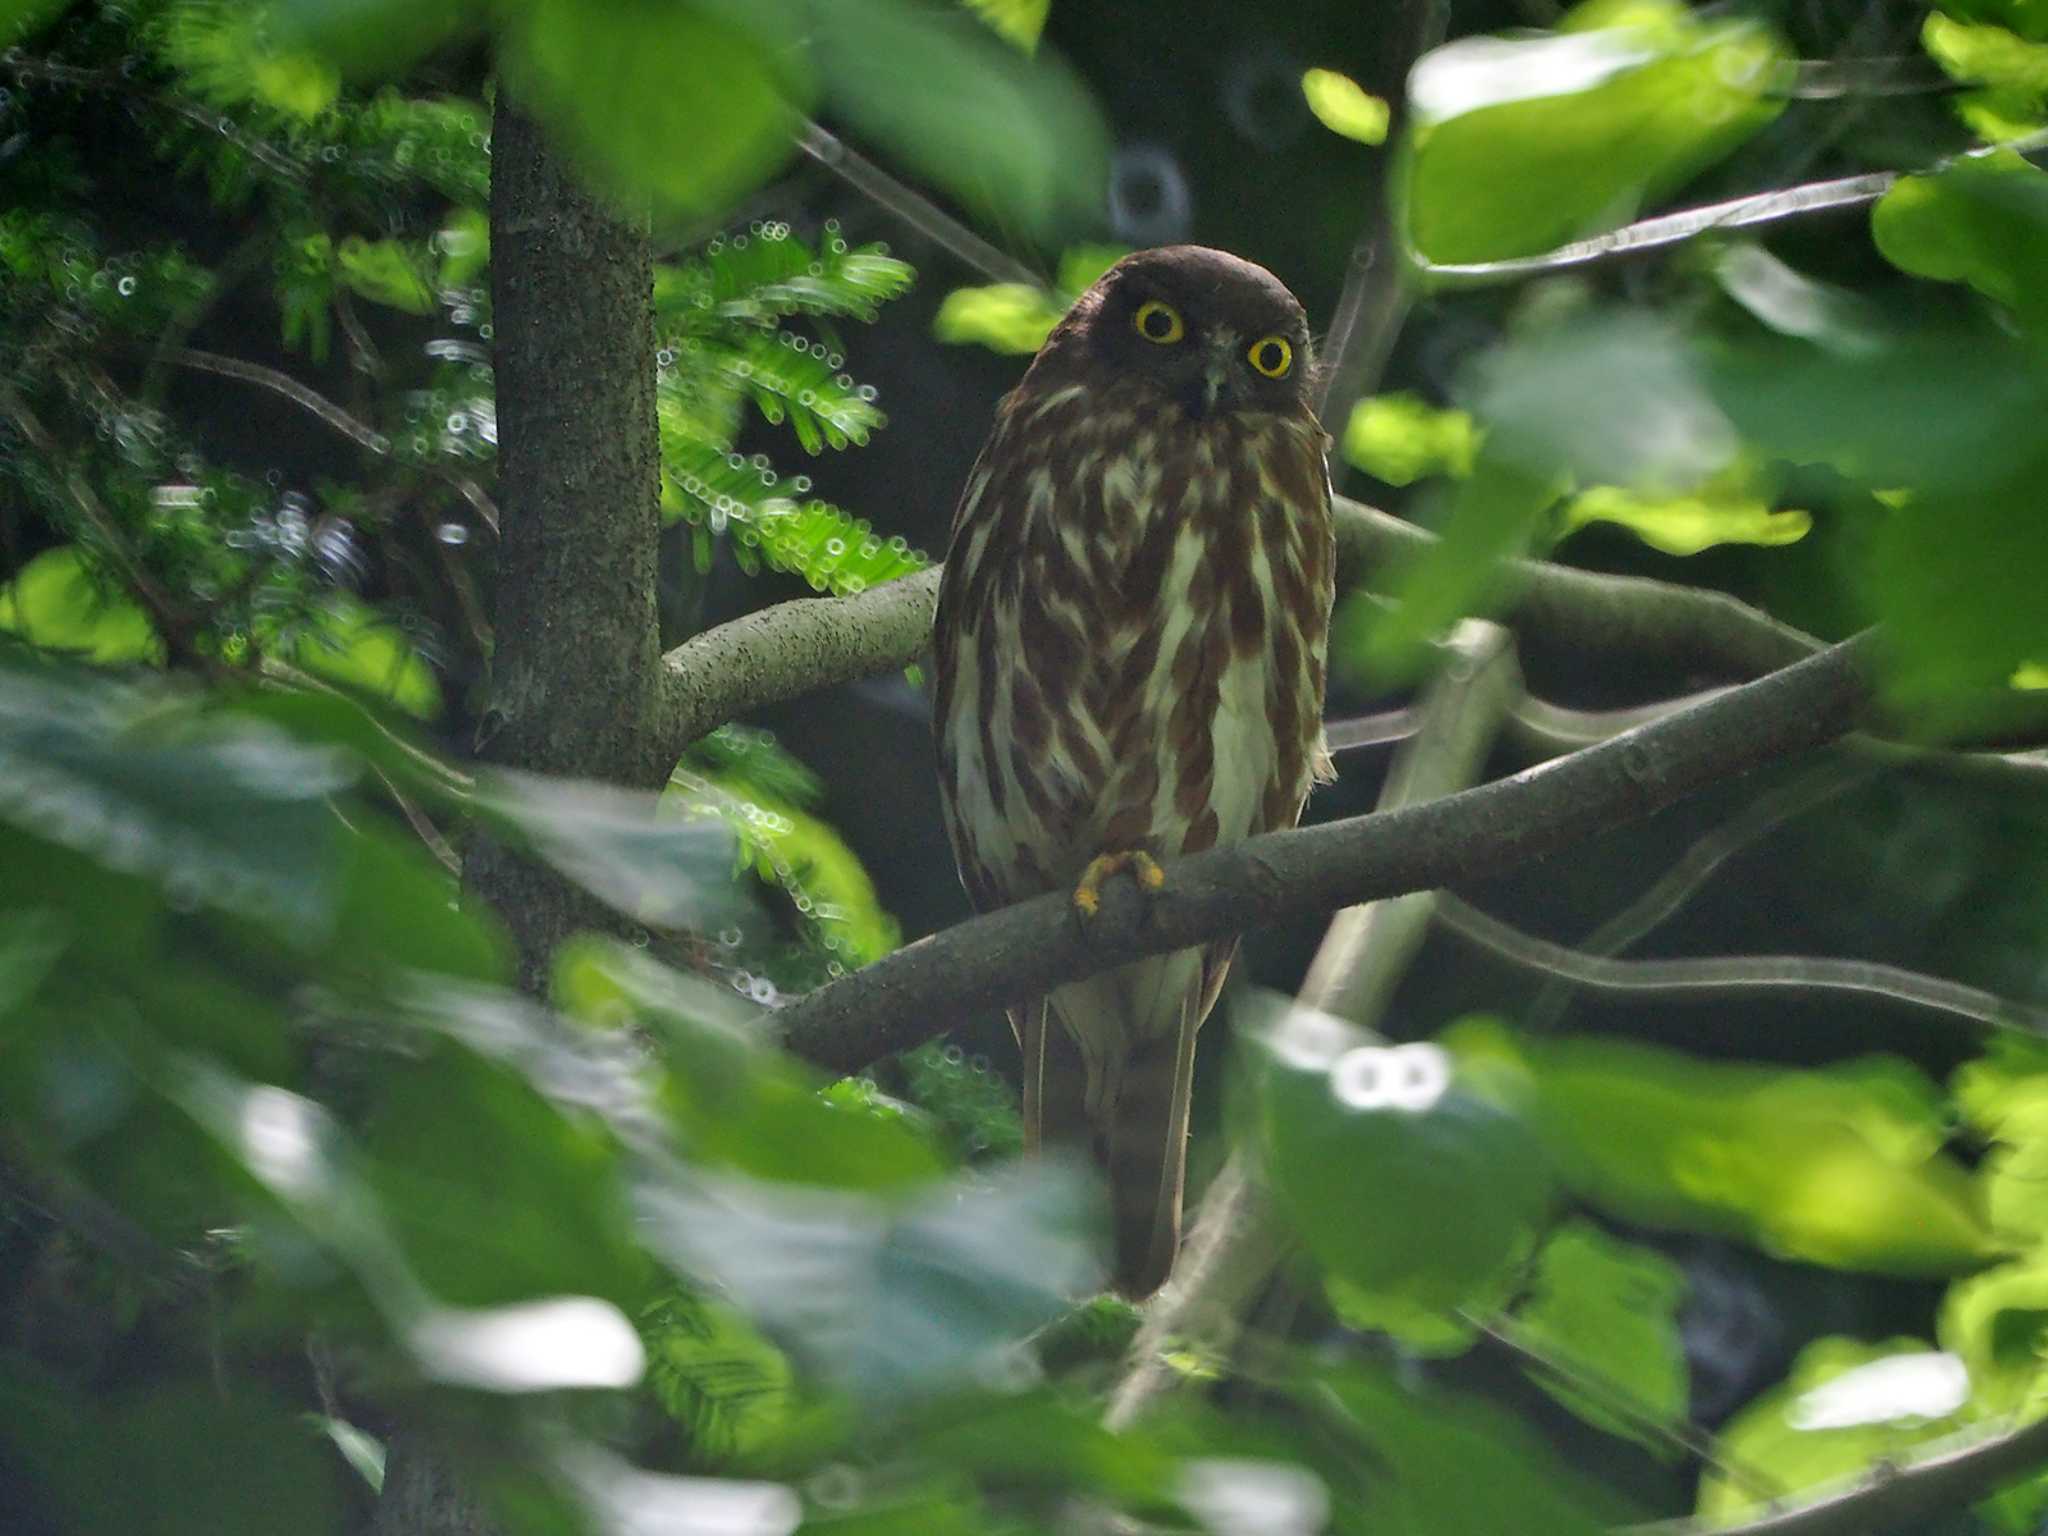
(1088, 890)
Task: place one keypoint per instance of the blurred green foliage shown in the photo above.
(263, 1079)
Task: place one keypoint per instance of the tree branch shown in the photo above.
(1893, 1497)
(1024, 950)
(1733, 975)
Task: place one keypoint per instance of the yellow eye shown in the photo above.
(1271, 356)
(1159, 322)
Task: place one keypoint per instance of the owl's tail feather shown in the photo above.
(1055, 1080)
(1144, 1147)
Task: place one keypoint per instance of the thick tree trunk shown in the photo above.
(576, 676)
(575, 679)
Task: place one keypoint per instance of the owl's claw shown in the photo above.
(1088, 890)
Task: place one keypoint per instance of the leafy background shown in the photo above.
(292, 1170)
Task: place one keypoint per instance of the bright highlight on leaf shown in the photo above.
(1021, 21)
(1344, 106)
(1685, 525)
(1400, 438)
(57, 601)
(1845, 1405)
(1981, 221)
(1015, 318)
(1842, 1167)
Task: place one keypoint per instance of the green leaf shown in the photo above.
(22, 19)
(1996, 1322)
(1345, 107)
(1400, 438)
(738, 1103)
(229, 55)
(219, 813)
(1685, 525)
(1448, 1467)
(372, 39)
(1017, 140)
(1605, 1312)
(1607, 397)
(61, 602)
(1519, 145)
(1010, 318)
(1842, 1167)
(662, 869)
(1846, 1407)
(493, 1194)
(890, 1299)
(1021, 21)
(1978, 53)
(180, 1458)
(730, 1389)
(351, 644)
(1981, 221)
(625, 84)
(386, 272)
(1398, 1180)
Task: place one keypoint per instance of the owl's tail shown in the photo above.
(1143, 1145)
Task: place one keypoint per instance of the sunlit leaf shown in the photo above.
(1344, 106)
(627, 84)
(1400, 438)
(1012, 318)
(1845, 1406)
(1604, 1313)
(1521, 144)
(229, 54)
(60, 602)
(1397, 1179)
(1841, 1167)
(1598, 398)
(352, 644)
(1021, 21)
(1981, 221)
(385, 272)
(1685, 525)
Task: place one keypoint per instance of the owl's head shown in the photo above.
(1212, 332)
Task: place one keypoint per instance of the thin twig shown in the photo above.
(311, 400)
(1676, 228)
(1739, 975)
(1892, 1496)
(913, 208)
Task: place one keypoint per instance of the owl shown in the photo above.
(1131, 637)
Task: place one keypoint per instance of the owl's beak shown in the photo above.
(1218, 384)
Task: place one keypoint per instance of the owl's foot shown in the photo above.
(1088, 890)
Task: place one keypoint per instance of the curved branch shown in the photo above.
(787, 650)
(1722, 975)
(1893, 1497)
(1026, 949)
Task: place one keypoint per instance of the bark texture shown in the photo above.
(575, 681)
